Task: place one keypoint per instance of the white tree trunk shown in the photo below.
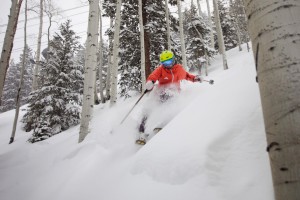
(38, 51)
(90, 66)
(51, 10)
(274, 31)
(8, 41)
(246, 20)
(238, 33)
(100, 57)
(199, 7)
(50, 15)
(212, 39)
(220, 35)
(48, 36)
(110, 57)
(18, 98)
(114, 71)
(168, 24)
(181, 35)
(143, 73)
(96, 98)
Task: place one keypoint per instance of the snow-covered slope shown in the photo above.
(212, 147)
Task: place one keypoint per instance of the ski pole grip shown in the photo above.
(210, 81)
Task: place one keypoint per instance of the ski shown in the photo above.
(140, 142)
(142, 137)
(156, 130)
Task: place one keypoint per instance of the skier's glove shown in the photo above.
(149, 85)
(198, 78)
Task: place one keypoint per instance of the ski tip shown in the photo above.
(140, 142)
(156, 130)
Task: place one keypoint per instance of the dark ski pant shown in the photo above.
(142, 125)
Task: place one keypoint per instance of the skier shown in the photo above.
(168, 74)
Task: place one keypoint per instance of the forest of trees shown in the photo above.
(61, 87)
(55, 98)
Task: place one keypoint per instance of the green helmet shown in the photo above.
(166, 55)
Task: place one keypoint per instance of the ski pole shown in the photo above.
(134, 106)
(210, 81)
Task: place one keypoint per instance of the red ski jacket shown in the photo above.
(168, 76)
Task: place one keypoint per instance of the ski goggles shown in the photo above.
(168, 63)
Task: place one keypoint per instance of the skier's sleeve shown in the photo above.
(190, 77)
(155, 75)
(185, 75)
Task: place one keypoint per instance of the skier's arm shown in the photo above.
(190, 77)
(194, 78)
(186, 75)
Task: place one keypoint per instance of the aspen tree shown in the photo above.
(274, 31)
(8, 41)
(199, 7)
(184, 63)
(246, 20)
(100, 57)
(50, 16)
(90, 69)
(18, 98)
(110, 57)
(220, 35)
(51, 10)
(114, 70)
(96, 97)
(143, 73)
(168, 24)
(38, 51)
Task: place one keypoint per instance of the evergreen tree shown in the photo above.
(130, 60)
(56, 105)
(12, 82)
(155, 40)
(105, 52)
(78, 70)
(156, 27)
(10, 87)
(237, 7)
(28, 76)
(197, 45)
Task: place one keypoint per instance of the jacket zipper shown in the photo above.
(172, 75)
